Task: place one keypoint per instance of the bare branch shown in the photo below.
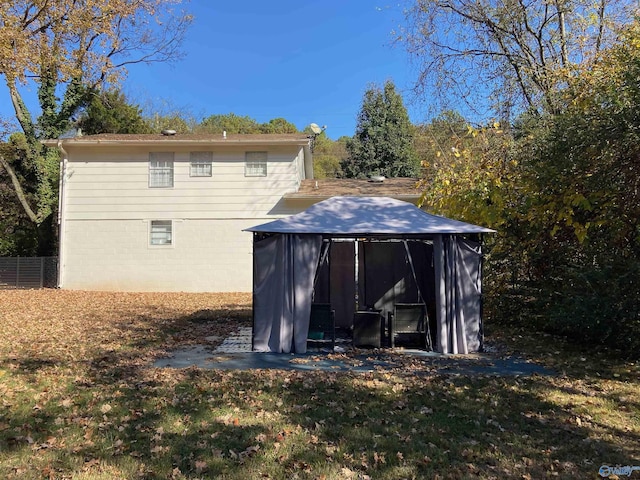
(600, 25)
(563, 34)
(516, 49)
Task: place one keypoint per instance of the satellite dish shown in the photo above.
(315, 129)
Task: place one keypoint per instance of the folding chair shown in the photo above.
(322, 326)
(409, 325)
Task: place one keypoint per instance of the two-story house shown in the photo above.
(167, 212)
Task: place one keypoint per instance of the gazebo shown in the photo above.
(366, 252)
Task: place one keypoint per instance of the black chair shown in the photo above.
(368, 329)
(322, 326)
(409, 326)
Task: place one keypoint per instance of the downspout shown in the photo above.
(308, 162)
(481, 274)
(62, 197)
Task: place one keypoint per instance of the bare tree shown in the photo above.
(516, 53)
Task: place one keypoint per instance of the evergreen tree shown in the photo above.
(111, 112)
(383, 142)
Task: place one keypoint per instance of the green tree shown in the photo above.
(383, 143)
(278, 125)
(17, 233)
(468, 172)
(180, 122)
(440, 134)
(230, 123)
(65, 49)
(582, 172)
(111, 112)
(327, 155)
(563, 192)
(37, 171)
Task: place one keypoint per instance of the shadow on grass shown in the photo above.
(112, 415)
(458, 427)
(50, 389)
(285, 424)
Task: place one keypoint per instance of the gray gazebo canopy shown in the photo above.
(288, 252)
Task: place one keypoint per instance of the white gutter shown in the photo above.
(171, 142)
(62, 201)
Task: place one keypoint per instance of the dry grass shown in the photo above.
(79, 399)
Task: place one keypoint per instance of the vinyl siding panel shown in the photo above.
(114, 184)
(109, 206)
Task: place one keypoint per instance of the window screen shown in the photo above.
(255, 164)
(161, 232)
(201, 164)
(160, 169)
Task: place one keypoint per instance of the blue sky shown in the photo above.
(301, 60)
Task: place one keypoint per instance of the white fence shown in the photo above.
(28, 272)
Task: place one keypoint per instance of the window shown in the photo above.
(160, 169)
(201, 164)
(160, 232)
(255, 164)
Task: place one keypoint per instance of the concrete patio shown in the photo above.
(234, 353)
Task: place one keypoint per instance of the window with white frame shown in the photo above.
(255, 164)
(161, 232)
(201, 164)
(160, 169)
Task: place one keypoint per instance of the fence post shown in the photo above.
(18, 271)
(41, 271)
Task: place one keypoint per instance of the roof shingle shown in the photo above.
(116, 139)
(331, 187)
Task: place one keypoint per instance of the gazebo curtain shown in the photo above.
(458, 294)
(284, 269)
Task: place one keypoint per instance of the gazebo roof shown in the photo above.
(367, 216)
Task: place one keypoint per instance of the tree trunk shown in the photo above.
(19, 191)
(22, 114)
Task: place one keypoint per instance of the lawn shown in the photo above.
(79, 399)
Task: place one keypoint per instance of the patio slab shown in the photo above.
(416, 361)
(262, 360)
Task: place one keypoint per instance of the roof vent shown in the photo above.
(376, 178)
(168, 133)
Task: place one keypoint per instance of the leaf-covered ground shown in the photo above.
(79, 399)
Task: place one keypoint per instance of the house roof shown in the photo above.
(106, 139)
(362, 216)
(320, 189)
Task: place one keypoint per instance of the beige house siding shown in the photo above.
(113, 183)
(114, 255)
(107, 209)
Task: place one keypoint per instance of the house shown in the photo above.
(167, 212)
